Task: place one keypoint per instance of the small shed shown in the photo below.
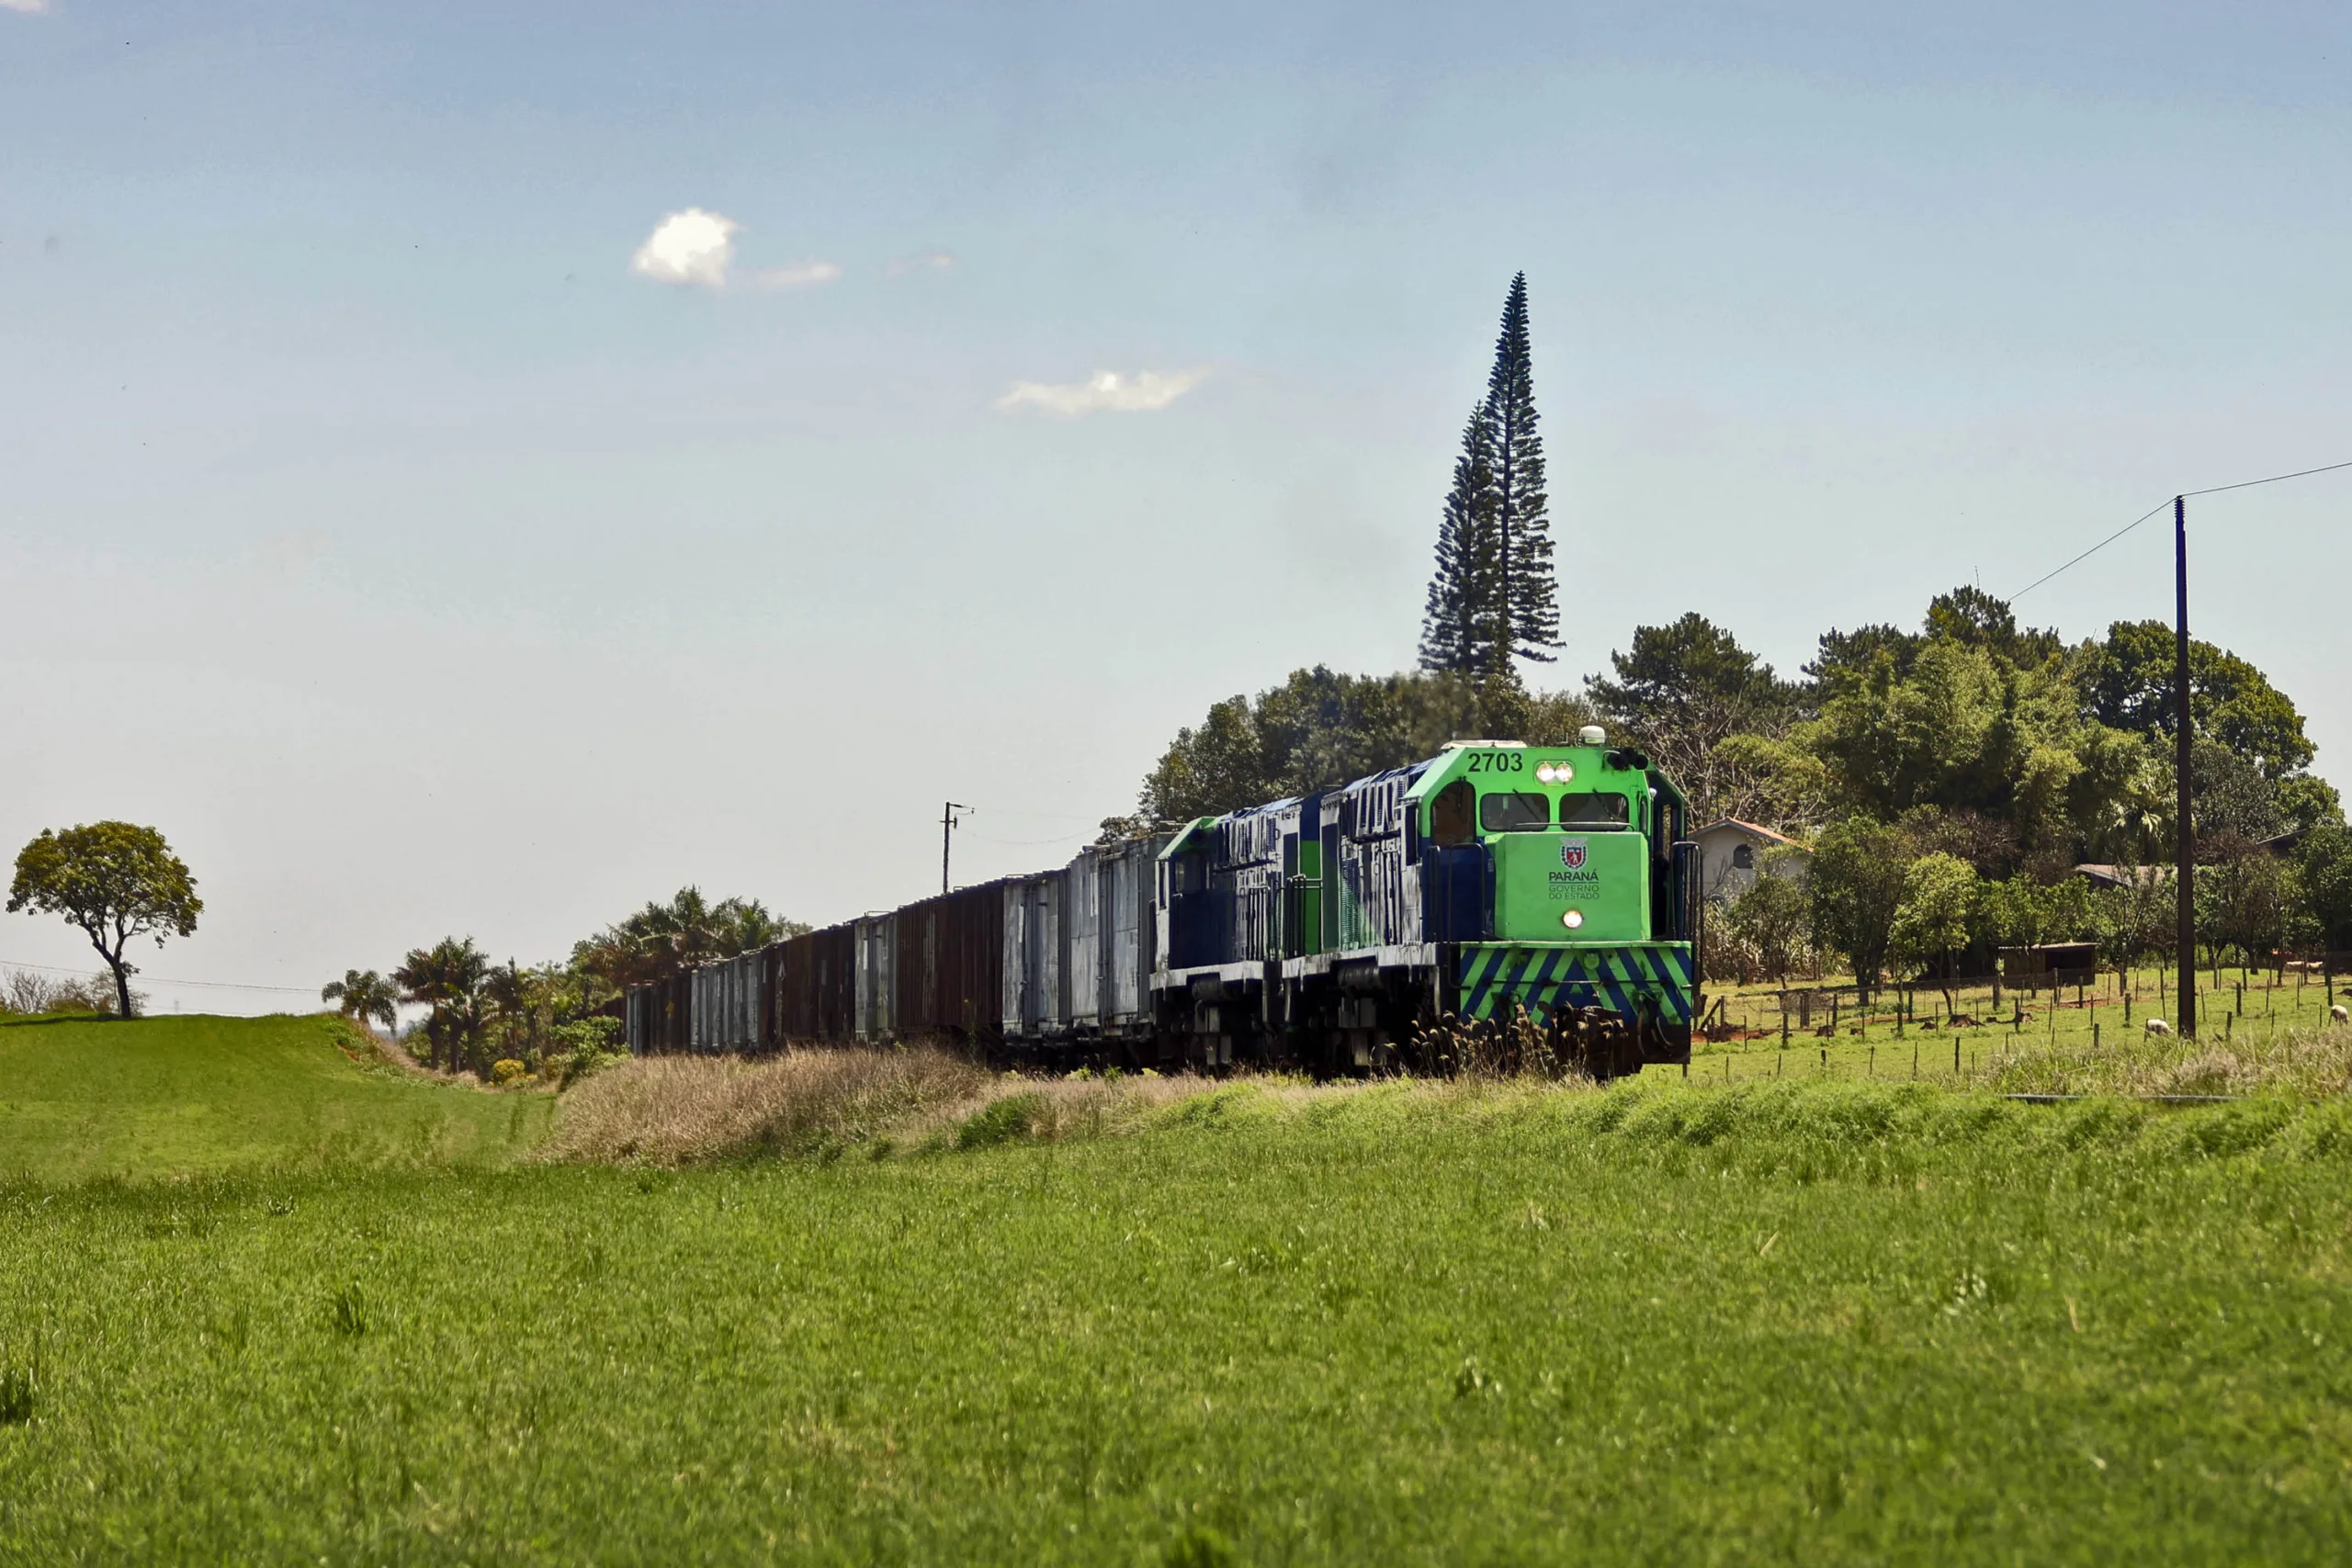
(1731, 853)
(2050, 963)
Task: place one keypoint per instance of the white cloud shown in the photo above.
(921, 261)
(697, 248)
(689, 247)
(26, 5)
(1104, 391)
(807, 274)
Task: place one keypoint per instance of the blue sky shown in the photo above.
(371, 526)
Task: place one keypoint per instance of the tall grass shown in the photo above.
(681, 1109)
(2311, 1062)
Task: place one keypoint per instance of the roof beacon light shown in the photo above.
(1573, 918)
(1593, 735)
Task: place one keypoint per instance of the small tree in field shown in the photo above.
(116, 881)
(1859, 874)
(1774, 913)
(1939, 895)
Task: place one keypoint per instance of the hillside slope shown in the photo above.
(163, 1097)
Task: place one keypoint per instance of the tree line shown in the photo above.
(508, 1022)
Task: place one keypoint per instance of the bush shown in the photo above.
(29, 992)
(507, 1070)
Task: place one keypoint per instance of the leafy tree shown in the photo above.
(2244, 902)
(2138, 919)
(1859, 874)
(1987, 843)
(1975, 618)
(2127, 683)
(2230, 800)
(1215, 767)
(1458, 626)
(1318, 729)
(662, 940)
(1931, 925)
(2023, 911)
(1495, 595)
(117, 881)
(2323, 882)
(1775, 780)
(1965, 730)
(1773, 914)
(2308, 801)
(363, 994)
(1846, 659)
(1682, 691)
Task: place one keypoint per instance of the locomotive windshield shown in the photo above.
(1450, 813)
(1595, 811)
(1514, 812)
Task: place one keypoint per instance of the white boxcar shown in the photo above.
(1109, 939)
(726, 1005)
(1032, 955)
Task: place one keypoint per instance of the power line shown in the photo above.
(2215, 490)
(159, 980)
(2248, 484)
(2092, 551)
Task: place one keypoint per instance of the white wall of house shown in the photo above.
(1730, 855)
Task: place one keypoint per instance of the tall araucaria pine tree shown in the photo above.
(1494, 595)
(1528, 611)
(1458, 627)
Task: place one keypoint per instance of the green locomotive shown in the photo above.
(1498, 886)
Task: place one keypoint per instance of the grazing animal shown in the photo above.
(2338, 1013)
(2158, 1026)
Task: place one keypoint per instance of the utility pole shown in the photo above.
(947, 821)
(2185, 874)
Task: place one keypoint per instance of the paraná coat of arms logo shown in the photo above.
(1572, 853)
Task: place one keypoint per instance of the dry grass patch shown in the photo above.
(681, 1109)
(685, 1109)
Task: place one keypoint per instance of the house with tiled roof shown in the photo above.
(1731, 853)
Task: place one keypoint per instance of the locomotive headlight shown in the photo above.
(1561, 773)
(1573, 918)
(1544, 774)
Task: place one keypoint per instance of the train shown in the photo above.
(1543, 894)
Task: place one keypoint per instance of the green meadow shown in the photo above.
(1834, 1320)
(82, 1098)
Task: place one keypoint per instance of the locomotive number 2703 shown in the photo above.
(1497, 762)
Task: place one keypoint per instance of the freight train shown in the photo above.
(1544, 892)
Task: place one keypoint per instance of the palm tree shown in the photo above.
(448, 978)
(364, 994)
(514, 995)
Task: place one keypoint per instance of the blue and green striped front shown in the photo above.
(1546, 978)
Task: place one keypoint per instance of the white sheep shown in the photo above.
(2338, 1013)
(2157, 1026)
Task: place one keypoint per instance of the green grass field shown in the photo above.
(1831, 1321)
(82, 1098)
